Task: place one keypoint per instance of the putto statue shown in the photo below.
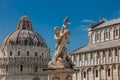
(60, 58)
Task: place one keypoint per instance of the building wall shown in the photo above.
(23, 60)
(104, 34)
(101, 60)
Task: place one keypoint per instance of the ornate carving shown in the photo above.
(60, 58)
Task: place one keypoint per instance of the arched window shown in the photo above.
(18, 53)
(96, 73)
(42, 53)
(6, 67)
(36, 68)
(21, 68)
(109, 53)
(75, 58)
(3, 53)
(79, 57)
(91, 56)
(84, 74)
(27, 53)
(98, 36)
(109, 72)
(104, 54)
(98, 55)
(115, 52)
(85, 56)
(116, 32)
(106, 34)
(10, 53)
(35, 53)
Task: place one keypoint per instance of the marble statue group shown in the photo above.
(60, 58)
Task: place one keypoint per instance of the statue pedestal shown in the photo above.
(59, 74)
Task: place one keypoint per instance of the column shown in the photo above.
(117, 55)
(111, 69)
(105, 69)
(87, 74)
(92, 74)
(99, 72)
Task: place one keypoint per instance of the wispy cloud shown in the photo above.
(69, 23)
(104, 19)
(81, 28)
(87, 21)
(119, 12)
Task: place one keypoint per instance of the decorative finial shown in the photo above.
(25, 13)
(66, 20)
(101, 19)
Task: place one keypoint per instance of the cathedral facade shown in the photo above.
(100, 58)
(23, 54)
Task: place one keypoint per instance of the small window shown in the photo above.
(85, 56)
(116, 32)
(84, 74)
(6, 67)
(115, 52)
(35, 53)
(4, 53)
(42, 54)
(10, 53)
(103, 54)
(109, 72)
(27, 53)
(79, 57)
(98, 55)
(21, 68)
(109, 53)
(106, 34)
(18, 53)
(98, 36)
(36, 68)
(91, 56)
(96, 73)
(75, 58)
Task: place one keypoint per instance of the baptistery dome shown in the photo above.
(24, 35)
(24, 54)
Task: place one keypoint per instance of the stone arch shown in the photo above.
(68, 77)
(56, 78)
(84, 73)
(36, 78)
(96, 71)
(118, 72)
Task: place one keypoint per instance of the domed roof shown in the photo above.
(24, 35)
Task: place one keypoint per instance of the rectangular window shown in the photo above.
(115, 52)
(104, 54)
(79, 57)
(91, 56)
(75, 58)
(85, 56)
(109, 53)
(98, 55)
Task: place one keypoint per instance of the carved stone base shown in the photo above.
(59, 74)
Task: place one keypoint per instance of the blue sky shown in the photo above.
(46, 14)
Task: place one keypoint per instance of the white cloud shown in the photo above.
(69, 23)
(119, 12)
(81, 28)
(104, 19)
(88, 21)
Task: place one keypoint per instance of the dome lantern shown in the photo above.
(24, 23)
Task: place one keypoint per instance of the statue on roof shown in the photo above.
(60, 58)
